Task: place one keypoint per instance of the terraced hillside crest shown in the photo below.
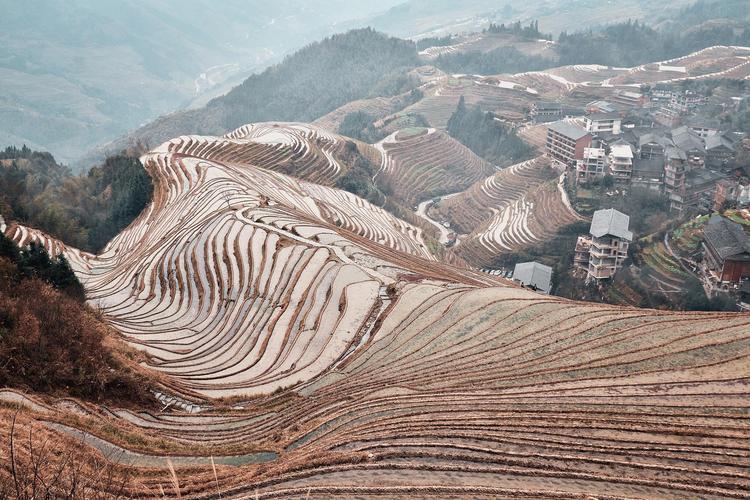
(419, 163)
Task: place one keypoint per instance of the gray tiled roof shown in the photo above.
(714, 141)
(568, 130)
(726, 237)
(675, 154)
(655, 138)
(612, 115)
(611, 222)
(686, 140)
(704, 122)
(534, 273)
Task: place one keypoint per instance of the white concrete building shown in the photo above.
(592, 166)
(607, 245)
(621, 163)
(609, 123)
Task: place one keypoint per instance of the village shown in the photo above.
(676, 144)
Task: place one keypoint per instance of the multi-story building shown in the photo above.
(682, 102)
(629, 98)
(674, 170)
(544, 112)
(679, 104)
(603, 123)
(698, 191)
(703, 127)
(719, 150)
(566, 142)
(731, 193)
(608, 242)
(621, 163)
(726, 251)
(592, 166)
(661, 93)
(652, 145)
(692, 145)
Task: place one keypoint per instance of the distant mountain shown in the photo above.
(76, 73)
(421, 18)
(305, 86)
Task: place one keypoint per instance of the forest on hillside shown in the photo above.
(310, 83)
(321, 77)
(487, 137)
(84, 211)
(623, 44)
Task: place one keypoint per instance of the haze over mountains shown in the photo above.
(74, 74)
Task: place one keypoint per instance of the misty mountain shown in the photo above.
(421, 18)
(304, 86)
(77, 73)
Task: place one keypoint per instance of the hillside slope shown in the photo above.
(76, 74)
(360, 366)
(306, 85)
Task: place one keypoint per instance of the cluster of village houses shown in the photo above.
(667, 147)
(660, 142)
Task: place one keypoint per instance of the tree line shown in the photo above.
(625, 44)
(487, 137)
(84, 211)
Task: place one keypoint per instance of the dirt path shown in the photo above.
(127, 457)
(422, 212)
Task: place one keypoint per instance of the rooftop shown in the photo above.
(602, 105)
(716, 141)
(568, 130)
(612, 115)
(674, 153)
(655, 138)
(702, 177)
(534, 274)
(704, 122)
(629, 94)
(686, 140)
(621, 151)
(726, 237)
(611, 222)
(593, 153)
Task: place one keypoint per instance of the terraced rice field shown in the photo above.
(359, 366)
(665, 273)
(465, 391)
(417, 165)
(306, 151)
(712, 62)
(238, 279)
(516, 208)
(377, 108)
(486, 42)
(490, 93)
